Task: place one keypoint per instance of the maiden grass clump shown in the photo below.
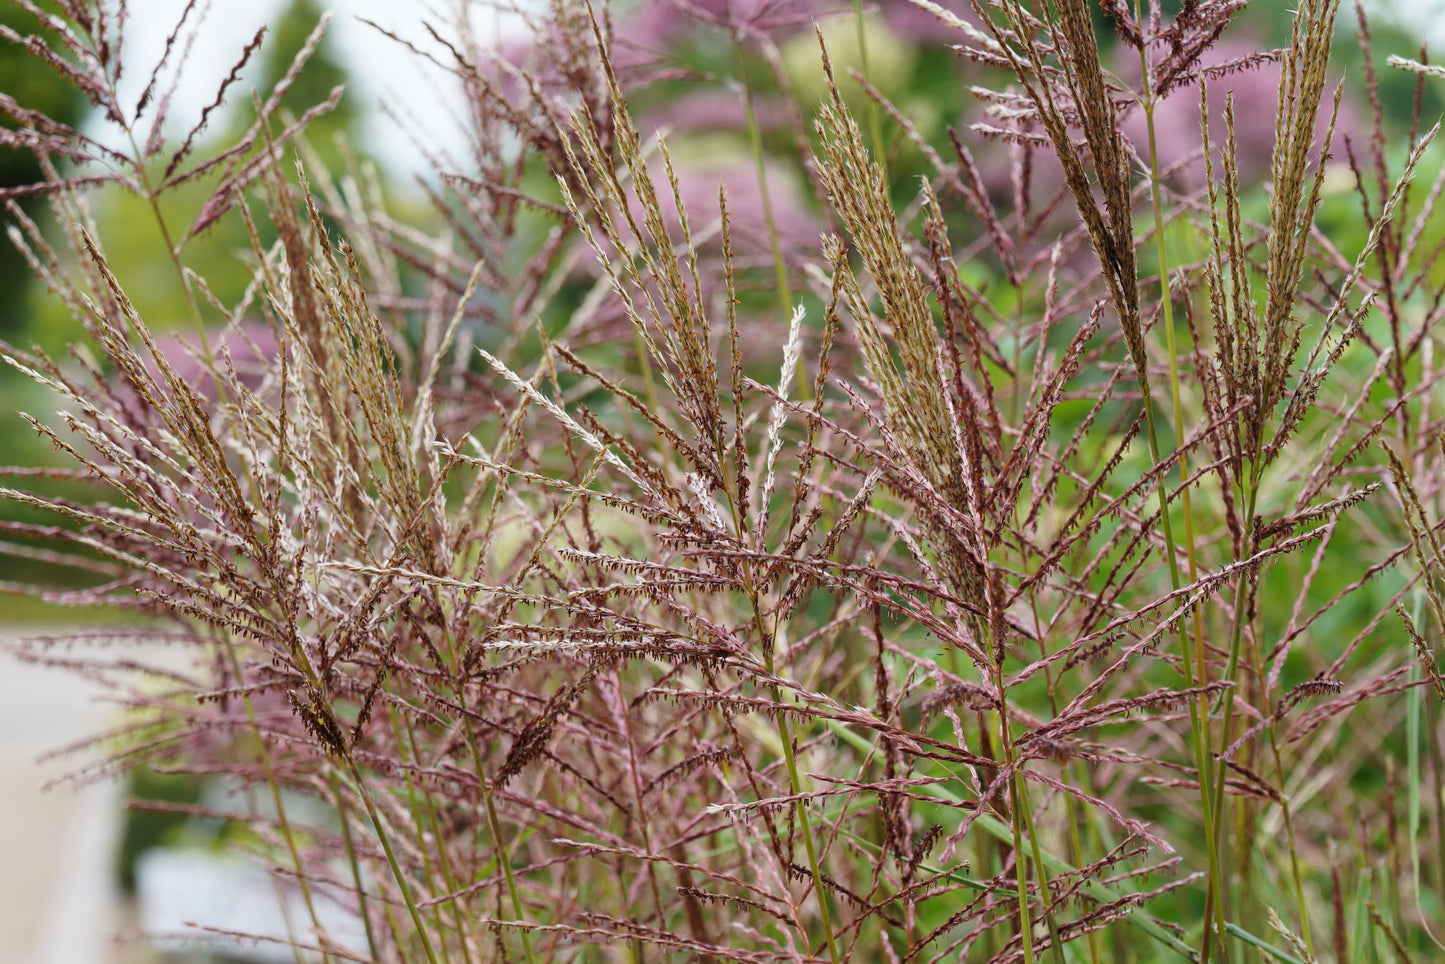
(629, 586)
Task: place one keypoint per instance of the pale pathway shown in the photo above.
(57, 846)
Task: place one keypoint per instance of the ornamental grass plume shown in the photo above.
(565, 576)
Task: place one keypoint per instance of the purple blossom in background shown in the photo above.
(249, 348)
(698, 183)
(720, 112)
(922, 27)
(711, 109)
(1177, 128)
(1256, 95)
(657, 24)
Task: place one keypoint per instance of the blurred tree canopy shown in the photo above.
(322, 73)
(34, 85)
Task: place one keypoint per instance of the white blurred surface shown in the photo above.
(382, 70)
(182, 888)
(57, 846)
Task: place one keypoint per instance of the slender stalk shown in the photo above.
(228, 646)
(494, 826)
(1296, 872)
(755, 139)
(397, 873)
(1000, 830)
(1192, 653)
(637, 796)
(504, 857)
(1231, 672)
(875, 125)
(1023, 820)
(1024, 810)
(424, 813)
(804, 825)
(795, 785)
(355, 865)
(287, 834)
(173, 255)
(1026, 927)
(732, 486)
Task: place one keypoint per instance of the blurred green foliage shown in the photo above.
(36, 86)
(149, 828)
